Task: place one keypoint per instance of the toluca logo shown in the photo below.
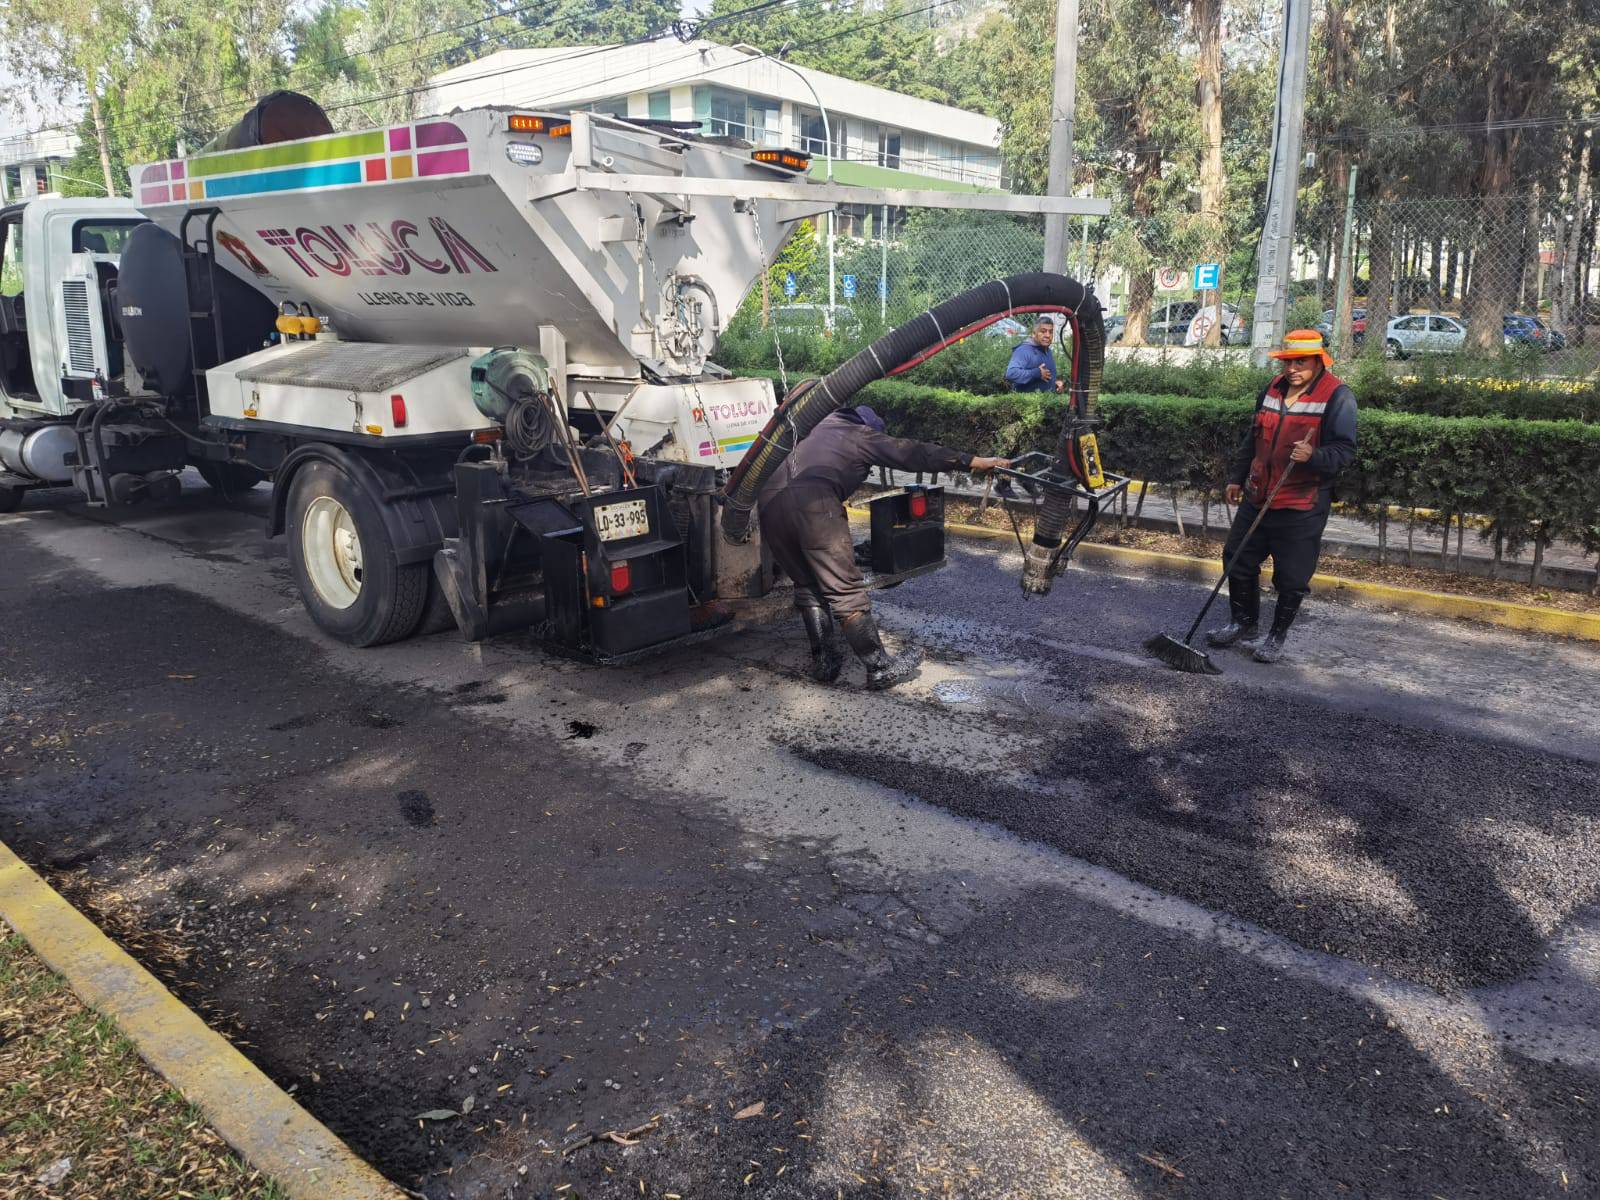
(377, 249)
(734, 410)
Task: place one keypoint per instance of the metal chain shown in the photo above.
(777, 343)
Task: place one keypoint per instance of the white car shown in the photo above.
(1405, 336)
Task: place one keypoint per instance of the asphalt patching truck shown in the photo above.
(470, 354)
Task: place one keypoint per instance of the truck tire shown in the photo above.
(229, 479)
(344, 561)
(11, 497)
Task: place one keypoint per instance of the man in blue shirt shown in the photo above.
(1033, 367)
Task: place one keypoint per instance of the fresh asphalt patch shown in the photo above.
(1436, 856)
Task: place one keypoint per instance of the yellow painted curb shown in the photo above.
(254, 1116)
(1507, 613)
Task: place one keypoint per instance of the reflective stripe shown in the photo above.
(1274, 404)
(1303, 344)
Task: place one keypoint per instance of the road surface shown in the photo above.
(1052, 921)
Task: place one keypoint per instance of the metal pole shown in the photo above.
(1345, 296)
(1063, 116)
(1083, 255)
(1283, 181)
(883, 271)
(827, 136)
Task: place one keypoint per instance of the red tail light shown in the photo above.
(919, 506)
(621, 577)
(397, 410)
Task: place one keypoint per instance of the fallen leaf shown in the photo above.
(466, 1105)
(436, 1114)
(754, 1110)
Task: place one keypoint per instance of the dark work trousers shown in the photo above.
(1292, 536)
(809, 536)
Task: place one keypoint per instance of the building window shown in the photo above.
(721, 113)
(812, 138)
(888, 147)
(766, 122)
(617, 106)
(41, 177)
(661, 106)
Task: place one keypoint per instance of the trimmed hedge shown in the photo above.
(977, 366)
(1534, 480)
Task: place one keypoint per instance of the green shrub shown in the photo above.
(1531, 478)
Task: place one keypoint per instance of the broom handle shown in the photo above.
(1227, 567)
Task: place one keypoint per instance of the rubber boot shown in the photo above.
(1244, 604)
(1271, 648)
(826, 659)
(883, 669)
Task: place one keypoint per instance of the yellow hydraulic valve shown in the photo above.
(299, 327)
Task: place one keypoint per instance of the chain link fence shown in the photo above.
(1503, 287)
(1484, 285)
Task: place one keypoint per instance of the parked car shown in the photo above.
(1007, 327)
(1234, 330)
(1523, 330)
(1114, 327)
(1433, 334)
(813, 318)
(1169, 324)
(1358, 325)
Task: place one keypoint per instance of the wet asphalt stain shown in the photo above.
(303, 721)
(374, 719)
(581, 730)
(417, 809)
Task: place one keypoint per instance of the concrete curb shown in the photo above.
(254, 1116)
(1506, 613)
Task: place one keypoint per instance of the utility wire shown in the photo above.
(237, 95)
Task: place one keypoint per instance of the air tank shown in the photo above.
(153, 308)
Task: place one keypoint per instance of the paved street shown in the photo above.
(1052, 921)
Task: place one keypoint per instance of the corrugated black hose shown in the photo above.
(914, 342)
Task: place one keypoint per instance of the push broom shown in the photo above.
(1181, 656)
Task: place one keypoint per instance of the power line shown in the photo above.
(237, 95)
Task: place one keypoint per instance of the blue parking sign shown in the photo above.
(1207, 277)
(791, 285)
(847, 284)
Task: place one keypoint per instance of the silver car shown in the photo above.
(1405, 336)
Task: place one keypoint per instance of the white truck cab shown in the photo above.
(58, 267)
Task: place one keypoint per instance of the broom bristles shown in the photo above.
(1181, 656)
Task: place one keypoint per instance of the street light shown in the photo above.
(827, 159)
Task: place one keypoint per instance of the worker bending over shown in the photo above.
(1305, 428)
(803, 523)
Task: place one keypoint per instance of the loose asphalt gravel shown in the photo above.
(1051, 921)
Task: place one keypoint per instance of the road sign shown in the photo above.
(1168, 279)
(1207, 277)
(791, 285)
(847, 284)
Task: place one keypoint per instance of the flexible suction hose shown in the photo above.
(915, 342)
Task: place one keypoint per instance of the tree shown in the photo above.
(62, 48)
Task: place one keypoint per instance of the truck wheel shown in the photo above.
(344, 562)
(11, 498)
(229, 479)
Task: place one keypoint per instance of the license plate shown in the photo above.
(626, 520)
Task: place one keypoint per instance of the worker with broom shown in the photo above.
(1281, 477)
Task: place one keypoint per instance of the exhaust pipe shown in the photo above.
(913, 343)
